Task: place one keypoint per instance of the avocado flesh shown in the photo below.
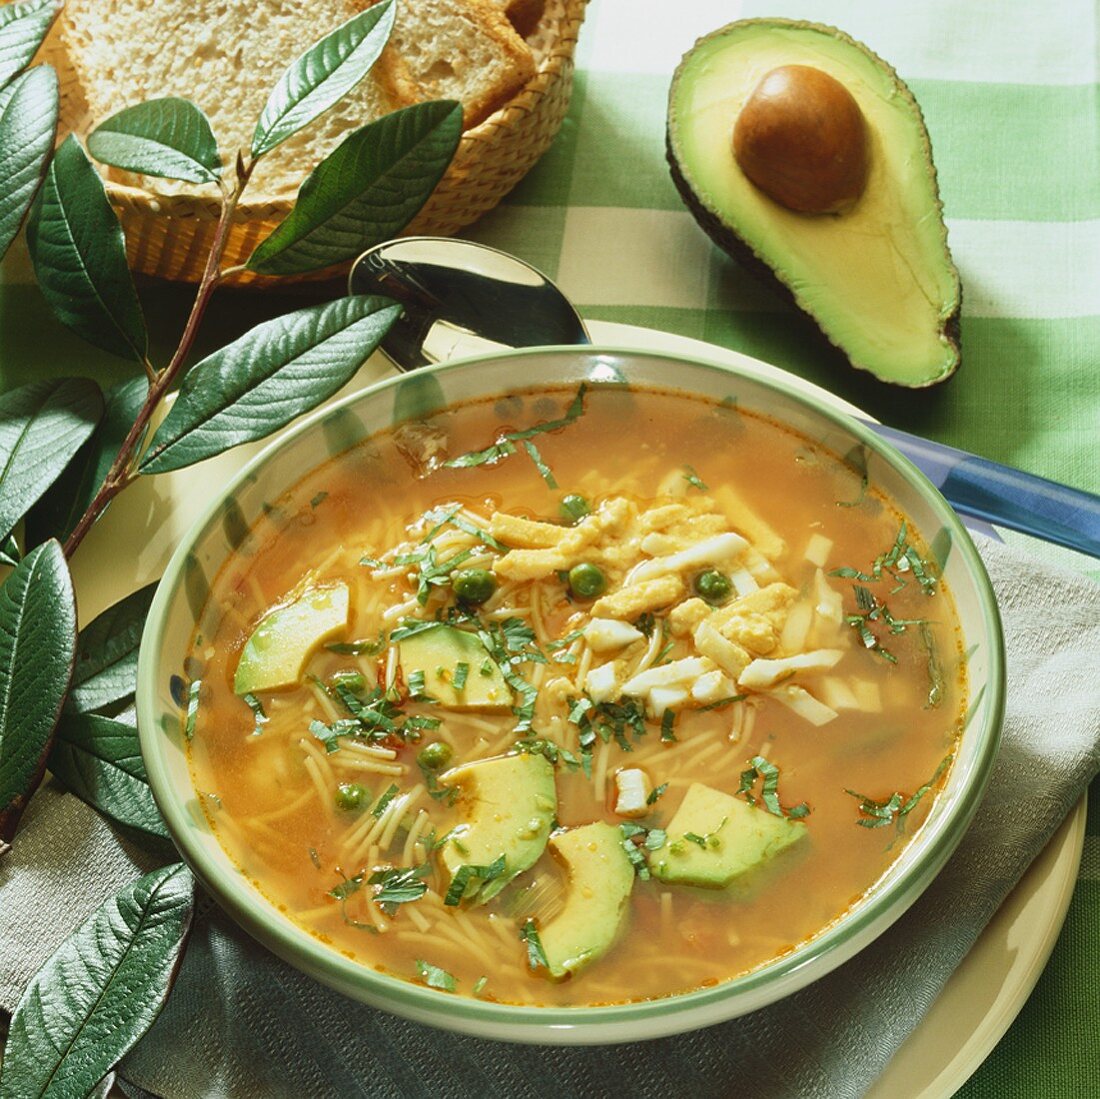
(736, 838)
(600, 878)
(276, 652)
(437, 652)
(505, 806)
(878, 279)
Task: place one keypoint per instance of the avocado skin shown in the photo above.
(727, 239)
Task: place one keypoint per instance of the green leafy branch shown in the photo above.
(67, 450)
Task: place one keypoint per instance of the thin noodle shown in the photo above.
(315, 777)
(282, 811)
(314, 752)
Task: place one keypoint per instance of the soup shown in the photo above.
(574, 698)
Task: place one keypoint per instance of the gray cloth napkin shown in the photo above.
(241, 1023)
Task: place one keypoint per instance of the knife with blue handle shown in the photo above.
(1008, 497)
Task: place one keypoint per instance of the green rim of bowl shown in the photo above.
(256, 914)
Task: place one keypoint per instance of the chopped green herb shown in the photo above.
(536, 746)
(630, 833)
(529, 935)
(341, 892)
(856, 460)
(694, 837)
(655, 793)
(727, 701)
(398, 885)
(410, 627)
(466, 873)
(347, 681)
(259, 715)
(192, 708)
(901, 557)
(544, 470)
(489, 456)
(765, 770)
(416, 685)
(935, 670)
(315, 858)
(383, 802)
(434, 977)
(462, 672)
(479, 986)
(362, 647)
(318, 499)
(668, 719)
(451, 516)
(646, 623)
(573, 508)
(655, 838)
(607, 720)
(347, 887)
(693, 479)
(896, 808)
(329, 735)
(505, 445)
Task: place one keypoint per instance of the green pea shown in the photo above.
(586, 580)
(573, 508)
(713, 586)
(352, 796)
(474, 586)
(435, 755)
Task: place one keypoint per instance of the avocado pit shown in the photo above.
(802, 140)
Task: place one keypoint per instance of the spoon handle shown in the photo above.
(1007, 497)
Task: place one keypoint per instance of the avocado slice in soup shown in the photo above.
(276, 652)
(600, 878)
(457, 669)
(505, 806)
(714, 838)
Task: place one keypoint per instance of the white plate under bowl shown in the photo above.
(986, 992)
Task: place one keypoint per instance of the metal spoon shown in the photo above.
(462, 298)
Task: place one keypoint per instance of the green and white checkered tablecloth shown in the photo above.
(1010, 91)
(1011, 95)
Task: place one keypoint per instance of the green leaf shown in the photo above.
(27, 128)
(106, 654)
(365, 191)
(260, 382)
(9, 551)
(79, 256)
(42, 425)
(325, 73)
(100, 992)
(37, 642)
(100, 761)
(58, 512)
(22, 28)
(167, 137)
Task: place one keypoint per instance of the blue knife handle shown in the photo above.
(1005, 496)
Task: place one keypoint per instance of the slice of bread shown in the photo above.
(226, 56)
(457, 49)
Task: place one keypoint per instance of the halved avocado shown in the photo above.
(877, 276)
(505, 806)
(600, 878)
(437, 652)
(276, 652)
(714, 838)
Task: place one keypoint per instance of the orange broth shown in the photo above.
(275, 814)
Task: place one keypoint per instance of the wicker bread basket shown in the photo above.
(169, 235)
